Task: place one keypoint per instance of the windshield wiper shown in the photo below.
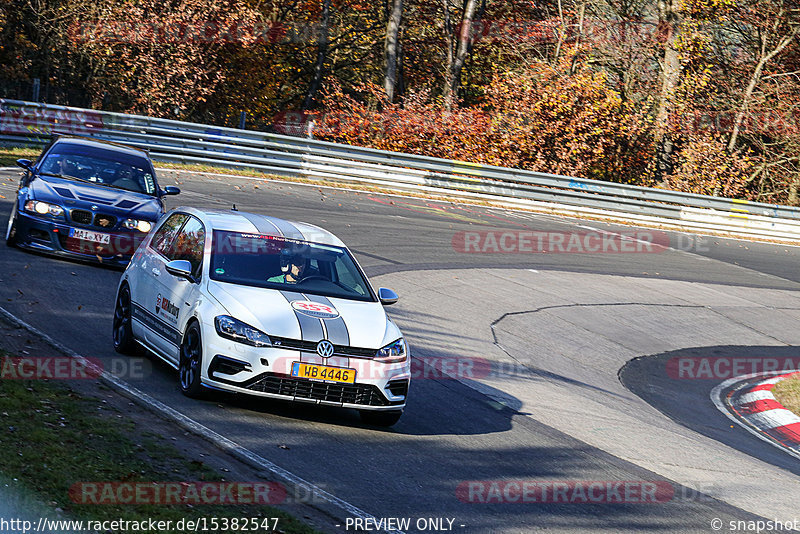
(120, 188)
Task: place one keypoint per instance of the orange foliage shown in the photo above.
(538, 120)
(705, 167)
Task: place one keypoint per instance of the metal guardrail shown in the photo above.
(184, 142)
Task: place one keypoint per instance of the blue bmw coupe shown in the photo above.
(86, 199)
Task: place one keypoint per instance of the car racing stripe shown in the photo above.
(286, 228)
(157, 325)
(258, 222)
(336, 327)
(311, 328)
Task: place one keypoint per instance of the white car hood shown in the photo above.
(358, 324)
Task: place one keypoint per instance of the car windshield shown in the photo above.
(287, 264)
(101, 166)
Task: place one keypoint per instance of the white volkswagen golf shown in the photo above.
(258, 305)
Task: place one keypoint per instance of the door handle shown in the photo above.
(156, 272)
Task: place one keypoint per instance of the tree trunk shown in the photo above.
(448, 37)
(462, 51)
(391, 48)
(793, 185)
(763, 59)
(322, 56)
(669, 21)
(578, 39)
(562, 30)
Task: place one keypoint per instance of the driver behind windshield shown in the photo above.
(63, 165)
(293, 268)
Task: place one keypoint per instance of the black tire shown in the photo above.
(11, 229)
(122, 332)
(191, 361)
(381, 418)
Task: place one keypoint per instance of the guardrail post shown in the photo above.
(242, 119)
(36, 86)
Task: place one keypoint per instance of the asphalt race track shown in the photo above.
(558, 363)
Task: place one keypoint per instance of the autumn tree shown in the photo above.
(157, 58)
(459, 40)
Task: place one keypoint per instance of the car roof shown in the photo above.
(242, 221)
(98, 143)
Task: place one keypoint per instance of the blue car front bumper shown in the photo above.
(54, 237)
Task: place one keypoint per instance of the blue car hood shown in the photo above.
(74, 194)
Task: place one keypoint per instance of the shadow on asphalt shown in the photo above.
(425, 413)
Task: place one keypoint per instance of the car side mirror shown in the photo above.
(387, 296)
(25, 164)
(181, 269)
(171, 190)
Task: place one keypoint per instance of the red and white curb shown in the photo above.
(753, 406)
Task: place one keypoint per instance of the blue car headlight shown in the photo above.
(135, 224)
(43, 208)
(231, 328)
(394, 352)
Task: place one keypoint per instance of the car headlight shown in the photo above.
(43, 208)
(393, 352)
(236, 330)
(135, 224)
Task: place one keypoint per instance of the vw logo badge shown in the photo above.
(94, 208)
(325, 348)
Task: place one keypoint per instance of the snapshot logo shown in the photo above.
(177, 493)
(724, 367)
(66, 368)
(535, 242)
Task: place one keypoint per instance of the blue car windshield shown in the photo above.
(287, 264)
(101, 166)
